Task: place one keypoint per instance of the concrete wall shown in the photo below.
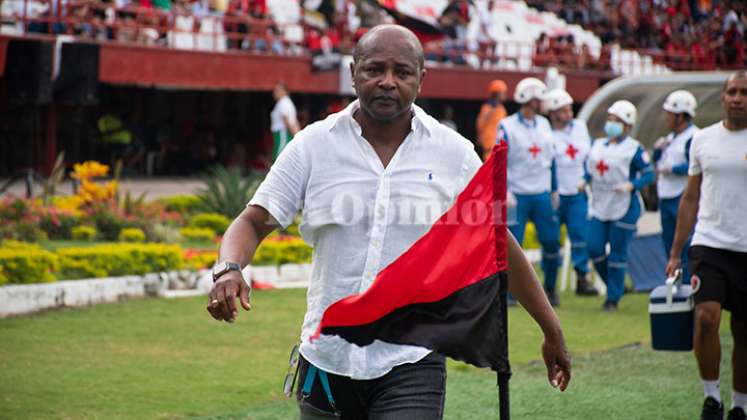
(27, 298)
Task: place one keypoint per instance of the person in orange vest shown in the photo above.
(491, 113)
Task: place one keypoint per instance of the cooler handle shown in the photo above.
(672, 284)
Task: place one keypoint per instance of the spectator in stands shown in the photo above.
(585, 60)
(485, 41)
(454, 20)
(543, 51)
(491, 114)
(126, 29)
(237, 22)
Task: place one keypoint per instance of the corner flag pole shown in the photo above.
(503, 377)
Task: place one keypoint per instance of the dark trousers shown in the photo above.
(413, 391)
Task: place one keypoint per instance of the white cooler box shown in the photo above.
(672, 316)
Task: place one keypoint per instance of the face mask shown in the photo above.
(613, 129)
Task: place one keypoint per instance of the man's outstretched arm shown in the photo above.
(686, 216)
(239, 243)
(525, 287)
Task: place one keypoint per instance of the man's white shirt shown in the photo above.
(720, 156)
(359, 217)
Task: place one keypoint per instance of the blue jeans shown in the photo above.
(618, 233)
(413, 391)
(668, 208)
(538, 209)
(573, 212)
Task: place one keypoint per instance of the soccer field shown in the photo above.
(168, 359)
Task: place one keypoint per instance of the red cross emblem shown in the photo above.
(571, 151)
(602, 167)
(534, 150)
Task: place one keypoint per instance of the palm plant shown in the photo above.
(226, 191)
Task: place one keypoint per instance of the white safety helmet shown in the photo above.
(556, 99)
(623, 110)
(680, 101)
(528, 89)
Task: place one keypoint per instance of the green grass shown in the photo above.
(168, 359)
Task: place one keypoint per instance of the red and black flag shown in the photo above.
(444, 292)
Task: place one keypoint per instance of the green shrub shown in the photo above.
(118, 260)
(161, 232)
(83, 233)
(26, 264)
(215, 221)
(108, 223)
(292, 230)
(26, 231)
(227, 191)
(283, 250)
(131, 235)
(58, 225)
(183, 204)
(197, 260)
(197, 234)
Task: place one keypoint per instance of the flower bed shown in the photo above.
(147, 235)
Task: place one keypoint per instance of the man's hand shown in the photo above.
(222, 297)
(661, 143)
(664, 168)
(625, 187)
(581, 186)
(673, 264)
(557, 362)
(555, 200)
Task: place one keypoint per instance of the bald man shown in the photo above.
(388, 158)
(714, 202)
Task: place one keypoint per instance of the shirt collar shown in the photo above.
(526, 122)
(609, 140)
(419, 119)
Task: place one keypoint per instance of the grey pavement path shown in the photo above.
(155, 187)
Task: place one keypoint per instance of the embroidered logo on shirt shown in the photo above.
(430, 176)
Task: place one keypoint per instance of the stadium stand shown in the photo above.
(622, 37)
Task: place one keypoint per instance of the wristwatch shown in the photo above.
(224, 267)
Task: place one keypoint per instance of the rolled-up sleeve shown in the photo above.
(283, 190)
